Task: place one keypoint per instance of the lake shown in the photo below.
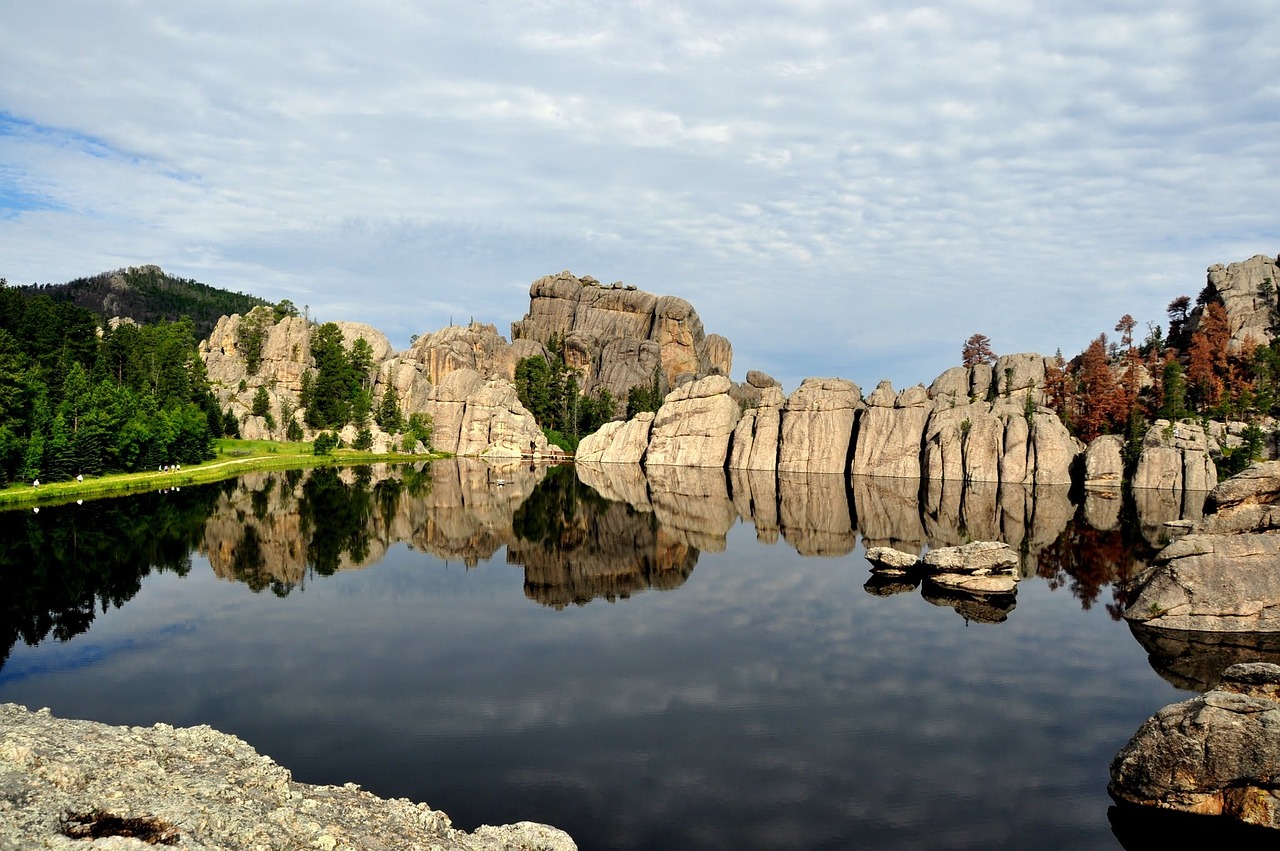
(688, 660)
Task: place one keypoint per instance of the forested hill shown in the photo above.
(146, 294)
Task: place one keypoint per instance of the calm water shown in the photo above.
(687, 661)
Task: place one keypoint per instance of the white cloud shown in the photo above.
(840, 188)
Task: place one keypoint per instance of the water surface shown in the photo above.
(688, 660)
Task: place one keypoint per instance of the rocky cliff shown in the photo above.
(1250, 292)
(616, 336)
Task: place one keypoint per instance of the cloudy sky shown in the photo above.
(840, 188)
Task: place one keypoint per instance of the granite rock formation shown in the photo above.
(616, 335)
(1175, 457)
(1216, 754)
(66, 782)
(816, 432)
(1250, 301)
(694, 424)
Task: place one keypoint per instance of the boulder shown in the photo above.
(980, 567)
(1227, 583)
(755, 438)
(694, 424)
(1104, 462)
(1175, 457)
(887, 560)
(817, 426)
(1258, 485)
(1216, 754)
(978, 558)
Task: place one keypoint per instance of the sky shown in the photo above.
(840, 188)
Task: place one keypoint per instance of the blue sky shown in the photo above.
(840, 188)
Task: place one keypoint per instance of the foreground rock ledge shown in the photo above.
(1217, 754)
(197, 788)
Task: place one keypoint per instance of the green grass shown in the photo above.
(232, 458)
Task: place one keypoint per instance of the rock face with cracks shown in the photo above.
(62, 782)
(1217, 754)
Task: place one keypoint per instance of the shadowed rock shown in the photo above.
(1194, 661)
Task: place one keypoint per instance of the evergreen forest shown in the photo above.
(81, 398)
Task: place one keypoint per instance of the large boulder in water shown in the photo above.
(1217, 754)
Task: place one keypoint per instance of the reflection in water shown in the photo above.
(576, 546)
(1194, 661)
(769, 702)
(584, 533)
(58, 566)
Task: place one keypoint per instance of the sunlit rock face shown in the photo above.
(1249, 291)
(890, 431)
(1175, 457)
(817, 426)
(1215, 754)
(1225, 575)
(694, 425)
(616, 336)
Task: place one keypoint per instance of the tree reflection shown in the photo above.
(61, 564)
(1085, 560)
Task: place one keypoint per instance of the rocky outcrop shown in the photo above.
(1216, 754)
(890, 432)
(616, 335)
(988, 425)
(694, 424)
(477, 417)
(756, 436)
(1225, 575)
(980, 567)
(1246, 502)
(1104, 462)
(1249, 291)
(1175, 457)
(817, 426)
(65, 782)
(1228, 583)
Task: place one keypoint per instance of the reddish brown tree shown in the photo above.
(977, 349)
(1100, 404)
(1125, 328)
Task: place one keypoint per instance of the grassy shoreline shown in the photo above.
(233, 458)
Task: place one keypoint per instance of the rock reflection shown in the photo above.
(610, 530)
(755, 498)
(816, 514)
(692, 504)
(1194, 661)
(889, 513)
(575, 546)
(985, 608)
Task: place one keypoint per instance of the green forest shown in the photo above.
(147, 295)
(77, 398)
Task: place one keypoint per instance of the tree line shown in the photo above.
(77, 398)
(1120, 385)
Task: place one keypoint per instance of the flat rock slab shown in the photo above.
(63, 782)
(978, 557)
(890, 560)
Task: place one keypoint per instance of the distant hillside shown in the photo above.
(146, 294)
